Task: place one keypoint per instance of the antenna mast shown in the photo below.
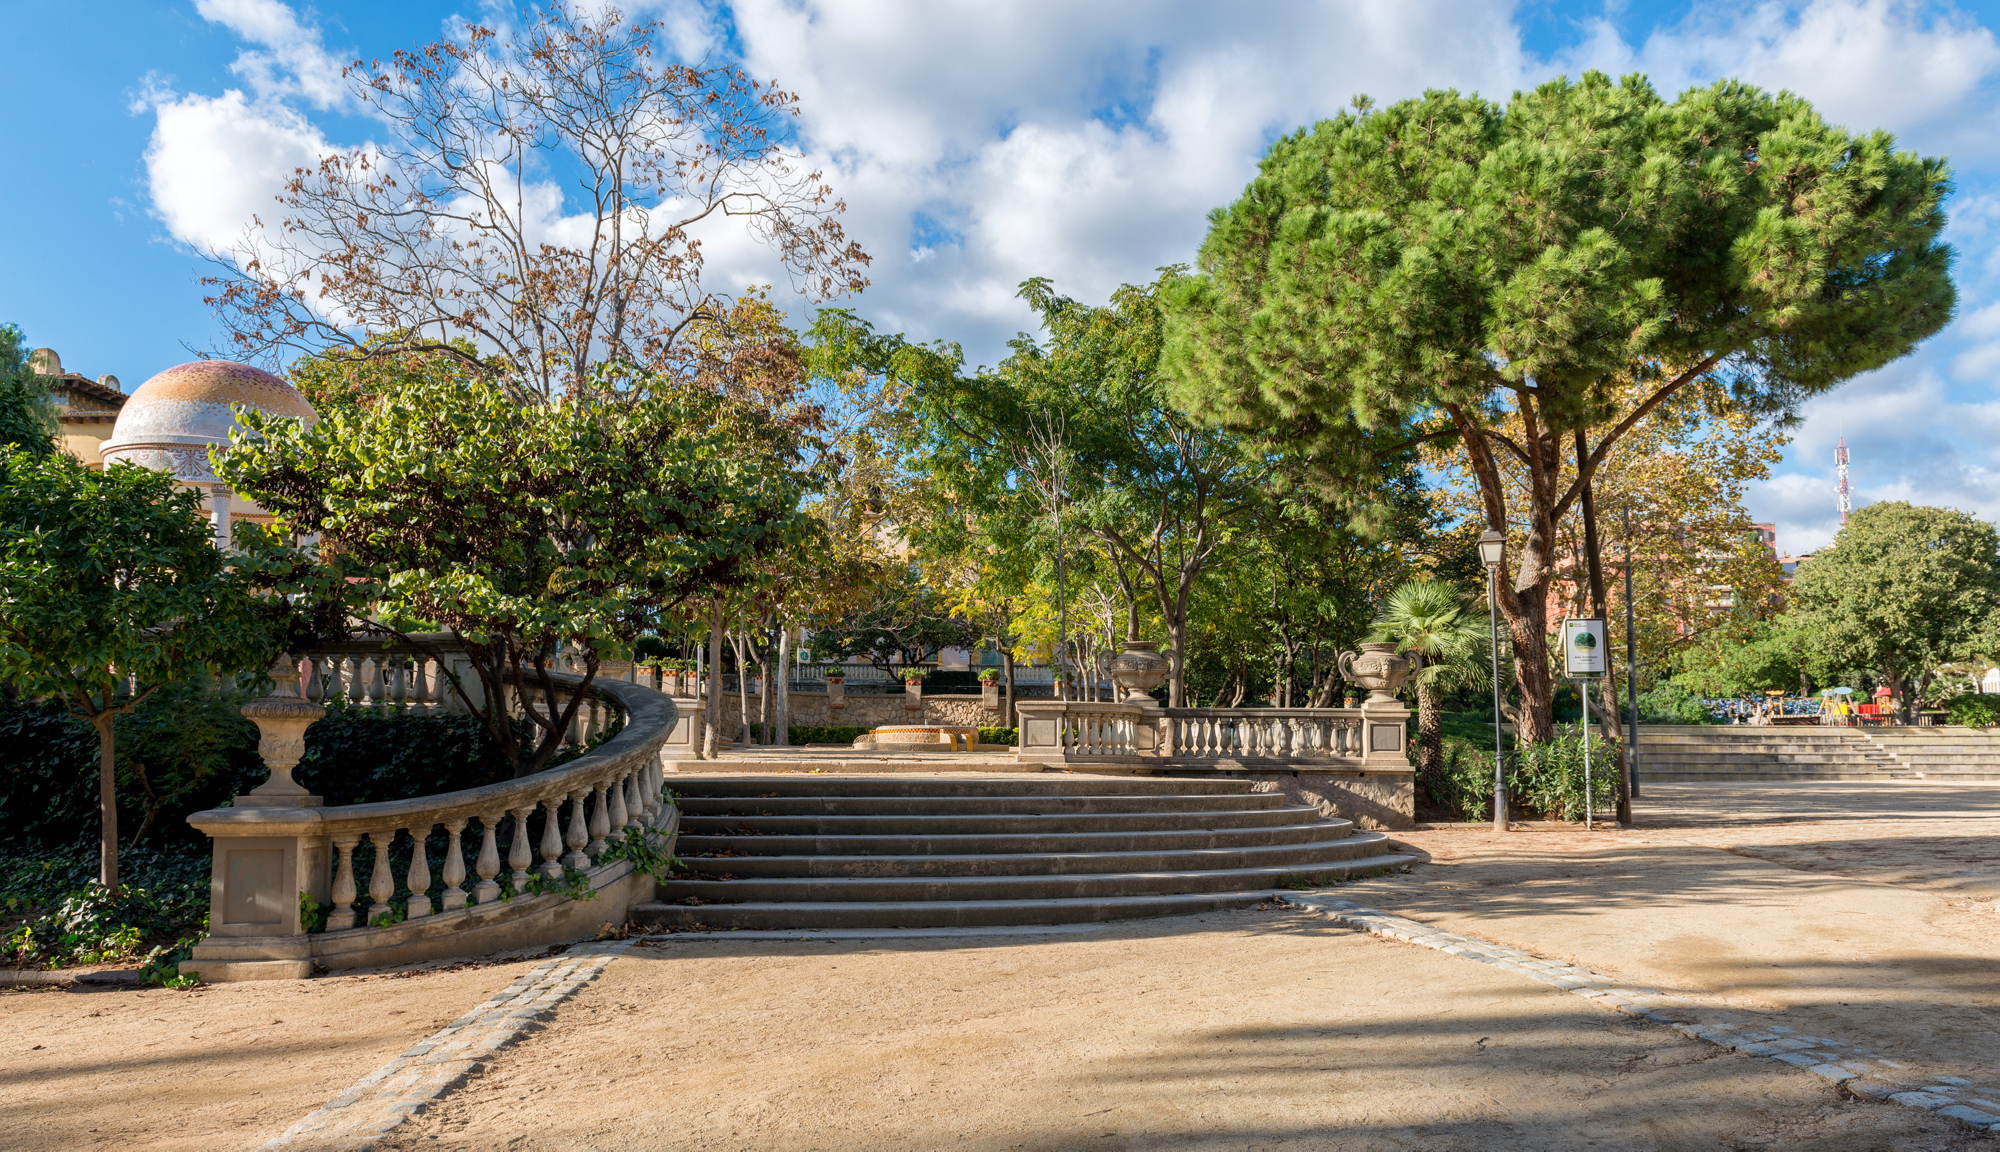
(1840, 465)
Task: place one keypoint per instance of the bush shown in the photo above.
(1548, 777)
(817, 733)
(1007, 736)
(357, 757)
(1974, 710)
(1672, 703)
(1464, 787)
(66, 917)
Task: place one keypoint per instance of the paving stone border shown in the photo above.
(1859, 1071)
(375, 1104)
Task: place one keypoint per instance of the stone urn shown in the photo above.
(282, 719)
(1139, 669)
(1377, 667)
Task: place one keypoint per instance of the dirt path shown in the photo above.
(1865, 911)
(1256, 1029)
(220, 1067)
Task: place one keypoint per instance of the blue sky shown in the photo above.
(979, 144)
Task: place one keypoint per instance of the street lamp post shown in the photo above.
(1493, 550)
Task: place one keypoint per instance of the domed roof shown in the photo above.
(171, 421)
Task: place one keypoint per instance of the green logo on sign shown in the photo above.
(1584, 641)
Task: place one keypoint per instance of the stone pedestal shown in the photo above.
(836, 693)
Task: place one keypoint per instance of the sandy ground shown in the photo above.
(1863, 912)
(220, 1067)
(1254, 1029)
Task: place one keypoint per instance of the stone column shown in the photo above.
(218, 513)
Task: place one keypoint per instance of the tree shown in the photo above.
(1901, 590)
(522, 531)
(27, 419)
(447, 233)
(1428, 272)
(1433, 623)
(110, 587)
(1076, 432)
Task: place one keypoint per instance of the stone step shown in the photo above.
(1061, 886)
(1028, 805)
(1334, 847)
(1037, 783)
(1667, 777)
(981, 913)
(990, 844)
(1003, 824)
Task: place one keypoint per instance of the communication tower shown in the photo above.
(1840, 466)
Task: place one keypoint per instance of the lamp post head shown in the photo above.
(1492, 548)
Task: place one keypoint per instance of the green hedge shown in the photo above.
(1007, 736)
(1974, 710)
(1549, 778)
(1465, 787)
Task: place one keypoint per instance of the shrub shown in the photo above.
(1007, 736)
(818, 733)
(1464, 786)
(68, 918)
(1672, 703)
(1548, 777)
(1974, 710)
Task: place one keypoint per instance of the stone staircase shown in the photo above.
(1942, 754)
(796, 852)
(1686, 753)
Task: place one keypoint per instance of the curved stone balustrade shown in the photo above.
(267, 858)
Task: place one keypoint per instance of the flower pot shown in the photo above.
(1139, 669)
(1377, 667)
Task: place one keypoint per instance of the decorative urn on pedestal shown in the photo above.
(282, 719)
(1138, 670)
(1379, 668)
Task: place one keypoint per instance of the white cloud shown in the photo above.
(216, 161)
(291, 61)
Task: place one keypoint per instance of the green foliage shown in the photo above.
(1463, 783)
(356, 757)
(1732, 663)
(519, 528)
(1973, 710)
(68, 918)
(1007, 736)
(1672, 702)
(1899, 592)
(111, 575)
(1549, 776)
(312, 913)
(643, 849)
(817, 733)
(574, 884)
(27, 418)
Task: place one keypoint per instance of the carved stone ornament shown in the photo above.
(282, 719)
(1139, 669)
(1378, 668)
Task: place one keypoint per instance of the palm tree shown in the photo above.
(1430, 622)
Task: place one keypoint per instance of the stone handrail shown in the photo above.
(267, 857)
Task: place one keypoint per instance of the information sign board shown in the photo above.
(1585, 652)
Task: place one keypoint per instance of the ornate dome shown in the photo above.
(172, 420)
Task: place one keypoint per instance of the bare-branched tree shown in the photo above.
(541, 192)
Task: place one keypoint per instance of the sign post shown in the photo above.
(1585, 660)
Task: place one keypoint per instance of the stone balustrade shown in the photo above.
(1263, 733)
(1145, 735)
(275, 851)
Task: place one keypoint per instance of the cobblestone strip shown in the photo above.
(1861, 1072)
(405, 1086)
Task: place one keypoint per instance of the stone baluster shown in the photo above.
(635, 803)
(453, 895)
(396, 683)
(518, 856)
(615, 810)
(487, 865)
(577, 834)
(420, 685)
(343, 893)
(357, 680)
(381, 880)
(600, 817)
(378, 690)
(419, 878)
(552, 845)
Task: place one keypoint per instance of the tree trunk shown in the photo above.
(1177, 663)
(782, 722)
(1007, 702)
(712, 709)
(1430, 742)
(1599, 607)
(107, 800)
